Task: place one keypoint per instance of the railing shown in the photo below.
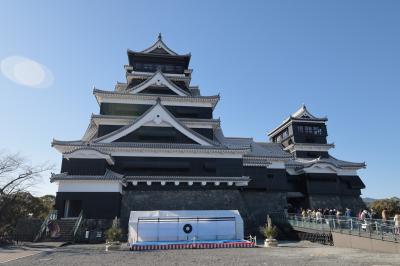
(371, 228)
(50, 217)
(77, 224)
(252, 239)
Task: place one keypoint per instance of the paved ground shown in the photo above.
(301, 253)
(12, 253)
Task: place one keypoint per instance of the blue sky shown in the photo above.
(265, 58)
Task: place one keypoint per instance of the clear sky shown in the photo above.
(265, 58)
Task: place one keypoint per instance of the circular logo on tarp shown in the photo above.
(187, 228)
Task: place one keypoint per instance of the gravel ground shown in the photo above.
(300, 253)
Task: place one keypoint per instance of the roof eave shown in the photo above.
(188, 55)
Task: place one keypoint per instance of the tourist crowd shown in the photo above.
(363, 215)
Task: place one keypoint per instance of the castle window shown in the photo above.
(317, 131)
(308, 130)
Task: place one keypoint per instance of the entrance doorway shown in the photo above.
(296, 201)
(72, 208)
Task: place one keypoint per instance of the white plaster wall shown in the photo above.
(89, 186)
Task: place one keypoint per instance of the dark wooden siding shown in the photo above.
(178, 166)
(312, 154)
(95, 205)
(153, 62)
(268, 179)
(139, 109)
(84, 166)
(105, 129)
(156, 135)
(158, 90)
(206, 132)
(325, 184)
(302, 137)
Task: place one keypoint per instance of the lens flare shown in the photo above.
(27, 72)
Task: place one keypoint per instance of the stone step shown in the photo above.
(66, 230)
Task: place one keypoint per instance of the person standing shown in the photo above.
(348, 213)
(384, 215)
(318, 216)
(304, 214)
(374, 214)
(397, 224)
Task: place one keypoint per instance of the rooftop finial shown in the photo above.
(159, 36)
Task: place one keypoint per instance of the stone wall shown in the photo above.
(355, 203)
(325, 201)
(258, 204)
(252, 205)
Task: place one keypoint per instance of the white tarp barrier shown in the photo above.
(151, 226)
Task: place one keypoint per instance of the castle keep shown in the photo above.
(155, 145)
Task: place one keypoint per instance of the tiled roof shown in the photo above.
(120, 86)
(184, 119)
(257, 149)
(304, 162)
(149, 96)
(268, 149)
(108, 175)
(159, 45)
(144, 145)
(99, 94)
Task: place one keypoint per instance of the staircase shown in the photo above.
(66, 231)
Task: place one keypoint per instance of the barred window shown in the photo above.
(317, 131)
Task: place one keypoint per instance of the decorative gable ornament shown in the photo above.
(157, 115)
(158, 79)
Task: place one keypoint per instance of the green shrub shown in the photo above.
(114, 233)
(269, 230)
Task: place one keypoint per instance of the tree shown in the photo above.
(392, 205)
(17, 176)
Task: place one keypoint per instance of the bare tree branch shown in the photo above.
(17, 174)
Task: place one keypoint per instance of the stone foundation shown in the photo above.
(325, 201)
(355, 203)
(252, 205)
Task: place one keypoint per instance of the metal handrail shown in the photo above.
(371, 228)
(77, 224)
(50, 217)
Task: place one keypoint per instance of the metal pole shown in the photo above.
(158, 229)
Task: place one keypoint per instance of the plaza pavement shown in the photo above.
(289, 253)
(12, 253)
